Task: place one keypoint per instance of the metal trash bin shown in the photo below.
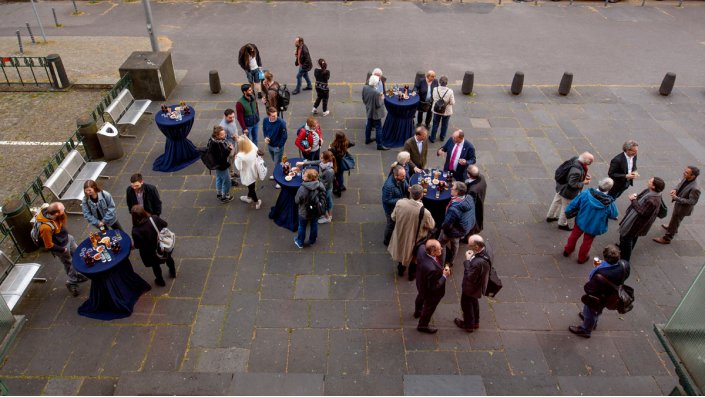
(19, 219)
(110, 142)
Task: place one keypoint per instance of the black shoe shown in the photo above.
(431, 140)
(73, 289)
(337, 193)
(386, 243)
(233, 182)
(461, 324)
(81, 278)
(307, 88)
(172, 272)
(565, 253)
(580, 314)
(160, 282)
(549, 220)
(400, 270)
(227, 198)
(295, 92)
(412, 276)
(370, 141)
(417, 314)
(382, 148)
(565, 227)
(429, 330)
(344, 188)
(578, 331)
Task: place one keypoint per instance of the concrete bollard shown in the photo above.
(75, 9)
(468, 82)
(18, 218)
(57, 71)
(31, 35)
(214, 81)
(19, 41)
(56, 20)
(667, 84)
(518, 83)
(566, 82)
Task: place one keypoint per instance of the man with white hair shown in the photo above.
(591, 209)
(380, 84)
(374, 107)
(570, 178)
(478, 263)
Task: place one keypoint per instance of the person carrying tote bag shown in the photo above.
(145, 238)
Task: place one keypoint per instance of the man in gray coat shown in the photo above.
(567, 188)
(374, 106)
(477, 270)
(685, 196)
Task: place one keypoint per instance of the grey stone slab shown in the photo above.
(62, 386)
(373, 314)
(207, 329)
(327, 314)
(608, 385)
(346, 287)
(372, 236)
(25, 386)
(270, 349)
(447, 385)
(346, 237)
(282, 313)
(385, 352)
(522, 385)
(287, 263)
(238, 329)
(277, 286)
(308, 352)
(173, 383)
(368, 264)
(223, 360)
(363, 385)
(432, 363)
(128, 350)
(349, 349)
(197, 247)
(51, 359)
(174, 311)
(524, 354)
(484, 363)
(379, 287)
(168, 348)
(220, 282)
(564, 353)
(97, 387)
(191, 278)
(520, 316)
(201, 223)
(254, 384)
(231, 237)
(312, 287)
(327, 263)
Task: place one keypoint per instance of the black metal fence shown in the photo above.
(24, 71)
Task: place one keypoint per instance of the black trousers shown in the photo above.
(419, 117)
(471, 310)
(157, 269)
(321, 96)
(426, 306)
(251, 192)
(388, 229)
(626, 245)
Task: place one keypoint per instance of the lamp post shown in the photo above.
(150, 28)
(41, 28)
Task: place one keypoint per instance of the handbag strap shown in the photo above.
(418, 227)
(154, 224)
(438, 89)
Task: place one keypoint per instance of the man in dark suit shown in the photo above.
(460, 154)
(143, 194)
(623, 168)
(424, 87)
(417, 146)
(430, 282)
(477, 269)
(477, 188)
(685, 196)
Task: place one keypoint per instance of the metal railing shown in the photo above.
(35, 69)
(97, 113)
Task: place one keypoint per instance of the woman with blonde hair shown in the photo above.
(404, 160)
(246, 162)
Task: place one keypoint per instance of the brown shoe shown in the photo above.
(661, 240)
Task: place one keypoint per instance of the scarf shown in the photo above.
(455, 199)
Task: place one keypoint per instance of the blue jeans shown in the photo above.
(590, 318)
(377, 125)
(301, 235)
(340, 178)
(444, 126)
(304, 74)
(222, 181)
(252, 132)
(276, 153)
(329, 200)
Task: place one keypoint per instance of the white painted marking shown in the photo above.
(30, 143)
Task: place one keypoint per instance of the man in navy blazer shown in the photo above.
(424, 88)
(460, 154)
(623, 168)
(431, 278)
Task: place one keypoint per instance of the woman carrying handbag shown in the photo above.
(339, 147)
(145, 238)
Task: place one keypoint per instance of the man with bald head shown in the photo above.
(430, 283)
(460, 154)
(567, 188)
(54, 237)
(477, 270)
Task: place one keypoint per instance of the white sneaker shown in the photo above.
(314, 111)
(277, 186)
(323, 219)
(271, 177)
(326, 113)
(259, 204)
(245, 199)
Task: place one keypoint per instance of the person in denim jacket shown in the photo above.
(99, 207)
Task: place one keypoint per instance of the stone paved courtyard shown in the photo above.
(249, 313)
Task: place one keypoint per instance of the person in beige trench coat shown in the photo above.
(406, 217)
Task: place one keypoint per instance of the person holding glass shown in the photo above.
(98, 207)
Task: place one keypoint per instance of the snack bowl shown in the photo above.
(435, 181)
(288, 178)
(100, 248)
(97, 256)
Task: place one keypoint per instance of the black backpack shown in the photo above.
(563, 170)
(208, 157)
(440, 105)
(283, 98)
(316, 204)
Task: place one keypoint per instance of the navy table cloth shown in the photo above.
(399, 124)
(115, 287)
(179, 151)
(285, 212)
(436, 206)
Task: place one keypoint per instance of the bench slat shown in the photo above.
(91, 171)
(74, 192)
(73, 162)
(58, 181)
(135, 111)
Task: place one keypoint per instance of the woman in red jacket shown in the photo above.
(309, 139)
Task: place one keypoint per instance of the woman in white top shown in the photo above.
(445, 93)
(246, 162)
(249, 60)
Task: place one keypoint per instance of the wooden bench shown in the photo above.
(16, 279)
(66, 182)
(124, 109)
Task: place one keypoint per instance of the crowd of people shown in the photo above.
(424, 248)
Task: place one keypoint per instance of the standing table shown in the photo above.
(179, 151)
(399, 124)
(436, 206)
(285, 212)
(115, 287)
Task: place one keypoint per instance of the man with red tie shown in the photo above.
(460, 154)
(431, 278)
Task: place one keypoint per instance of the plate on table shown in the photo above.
(288, 178)
(435, 181)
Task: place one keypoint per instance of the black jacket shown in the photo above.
(618, 172)
(477, 190)
(145, 239)
(429, 276)
(150, 197)
(616, 274)
(476, 275)
(221, 152)
(241, 58)
(306, 63)
(421, 87)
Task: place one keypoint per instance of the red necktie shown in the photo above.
(452, 158)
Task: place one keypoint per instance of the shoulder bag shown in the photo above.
(347, 162)
(167, 241)
(622, 299)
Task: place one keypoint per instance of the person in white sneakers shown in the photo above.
(246, 162)
(322, 76)
(328, 167)
(275, 135)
